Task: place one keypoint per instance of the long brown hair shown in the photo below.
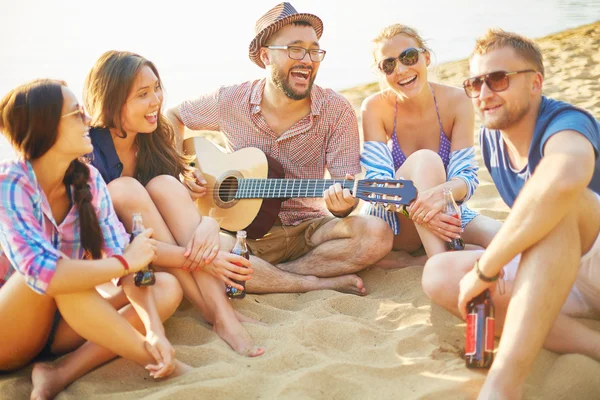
(105, 92)
(29, 118)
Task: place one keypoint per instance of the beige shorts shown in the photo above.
(287, 243)
(584, 299)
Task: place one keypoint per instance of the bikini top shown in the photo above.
(397, 154)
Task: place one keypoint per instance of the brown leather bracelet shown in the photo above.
(484, 278)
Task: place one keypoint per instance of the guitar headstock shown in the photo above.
(391, 194)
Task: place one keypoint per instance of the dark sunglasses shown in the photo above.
(408, 57)
(496, 81)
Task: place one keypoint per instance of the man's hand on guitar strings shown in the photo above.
(196, 188)
(339, 201)
(229, 267)
(203, 246)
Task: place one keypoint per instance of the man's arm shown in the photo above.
(179, 128)
(343, 159)
(560, 178)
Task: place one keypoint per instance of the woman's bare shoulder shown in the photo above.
(377, 101)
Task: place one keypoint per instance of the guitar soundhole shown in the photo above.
(227, 189)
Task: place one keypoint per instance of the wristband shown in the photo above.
(484, 278)
(123, 263)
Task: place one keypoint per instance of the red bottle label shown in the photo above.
(490, 326)
(471, 338)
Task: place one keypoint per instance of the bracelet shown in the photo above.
(484, 278)
(123, 262)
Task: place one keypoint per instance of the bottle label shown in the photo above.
(490, 329)
(471, 337)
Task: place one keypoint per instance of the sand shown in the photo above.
(393, 343)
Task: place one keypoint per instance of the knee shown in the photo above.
(168, 293)
(165, 184)
(426, 158)
(376, 234)
(128, 193)
(434, 280)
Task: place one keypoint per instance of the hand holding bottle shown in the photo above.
(141, 251)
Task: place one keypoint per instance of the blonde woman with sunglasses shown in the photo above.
(423, 131)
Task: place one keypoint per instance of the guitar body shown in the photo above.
(245, 189)
(255, 216)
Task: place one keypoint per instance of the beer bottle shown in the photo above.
(241, 249)
(452, 209)
(479, 341)
(144, 277)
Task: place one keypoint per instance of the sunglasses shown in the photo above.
(496, 81)
(80, 110)
(408, 57)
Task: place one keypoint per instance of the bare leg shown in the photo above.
(550, 266)
(426, 169)
(205, 290)
(532, 318)
(25, 321)
(343, 246)
(49, 379)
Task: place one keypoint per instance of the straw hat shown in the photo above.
(276, 18)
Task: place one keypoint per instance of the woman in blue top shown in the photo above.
(136, 153)
(421, 131)
(59, 239)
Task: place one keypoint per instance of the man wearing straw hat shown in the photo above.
(308, 129)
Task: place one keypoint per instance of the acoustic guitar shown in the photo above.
(245, 188)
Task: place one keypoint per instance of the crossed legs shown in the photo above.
(342, 247)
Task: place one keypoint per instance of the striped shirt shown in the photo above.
(30, 239)
(326, 139)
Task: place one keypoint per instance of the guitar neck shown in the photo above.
(250, 188)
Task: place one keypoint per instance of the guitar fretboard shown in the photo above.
(250, 188)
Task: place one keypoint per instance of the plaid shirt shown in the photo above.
(30, 239)
(327, 138)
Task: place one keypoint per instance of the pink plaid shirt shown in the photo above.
(30, 239)
(327, 138)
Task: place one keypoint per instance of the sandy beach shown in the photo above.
(393, 343)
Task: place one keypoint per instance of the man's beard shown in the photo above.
(283, 83)
(509, 118)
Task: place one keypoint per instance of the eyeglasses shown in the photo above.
(496, 81)
(79, 110)
(408, 57)
(298, 53)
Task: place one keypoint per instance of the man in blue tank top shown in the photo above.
(543, 156)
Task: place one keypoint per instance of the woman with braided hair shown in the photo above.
(59, 232)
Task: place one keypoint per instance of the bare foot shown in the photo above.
(237, 337)
(47, 381)
(350, 284)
